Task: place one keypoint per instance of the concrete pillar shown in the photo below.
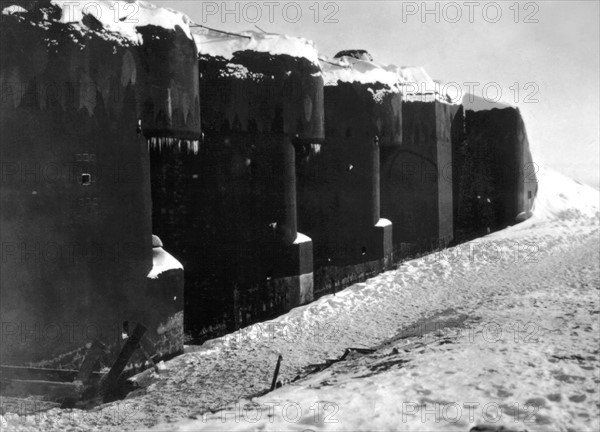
(295, 270)
(289, 228)
(382, 237)
(375, 202)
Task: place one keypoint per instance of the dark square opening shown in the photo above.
(86, 179)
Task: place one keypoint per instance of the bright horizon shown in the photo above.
(547, 60)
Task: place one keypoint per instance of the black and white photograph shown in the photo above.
(299, 216)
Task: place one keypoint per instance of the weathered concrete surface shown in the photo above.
(228, 213)
(339, 186)
(416, 181)
(495, 177)
(75, 204)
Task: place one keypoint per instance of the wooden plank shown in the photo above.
(90, 361)
(30, 373)
(149, 358)
(52, 389)
(276, 374)
(109, 382)
(85, 372)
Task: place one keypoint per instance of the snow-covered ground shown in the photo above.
(500, 331)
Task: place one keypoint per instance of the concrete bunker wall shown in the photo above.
(80, 197)
(494, 172)
(233, 219)
(416, 179)
(339, 188)
(75, 203)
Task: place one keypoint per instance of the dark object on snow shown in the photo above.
(109, 382)
(329, 362)
(494, 428)
(359, 54)
(276, 374)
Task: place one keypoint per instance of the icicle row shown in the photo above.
(192, 146)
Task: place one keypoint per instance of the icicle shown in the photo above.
(191, 146)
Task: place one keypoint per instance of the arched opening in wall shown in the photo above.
(409, 198)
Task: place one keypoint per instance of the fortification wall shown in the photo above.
(284, 167)
(75, 200)
(339, 187)
(496, 179)
(416, 178)
(232, 219)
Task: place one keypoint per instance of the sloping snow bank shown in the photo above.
(525, 359)
(218, 44)
(536, 283)
(123, 17)
(562, 198)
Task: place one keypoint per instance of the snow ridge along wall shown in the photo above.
(78, 102)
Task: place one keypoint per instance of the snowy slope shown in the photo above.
(525, 356)
(504, 326)
(562, 198)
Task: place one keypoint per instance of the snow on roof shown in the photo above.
(218, 44)
(414, 83)
(162, 261)
(360, 54)
(383, 222)
(415, 74)
(351, 69)
(418, 86)
(13, 9)
(301, 238)
(122, 17)
(476, 103)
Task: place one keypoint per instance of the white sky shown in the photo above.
(559, 53)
